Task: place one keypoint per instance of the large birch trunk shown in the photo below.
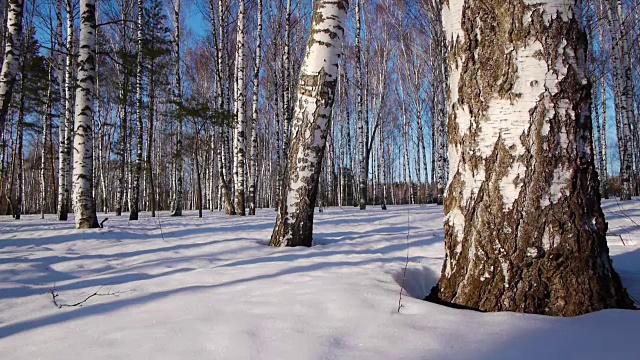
(84, 208)
(11, 59)
(312, 118)
(524, 230)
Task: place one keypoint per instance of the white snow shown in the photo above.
(211, 289)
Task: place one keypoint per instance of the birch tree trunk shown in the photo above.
(524, 230)
(253, 165)
(20, 146)
(66, 124)
(362, 179)
(177, 211)
(124, 113)
(241, 128)
(622, 93)
(84, 208)
(45, 129)
(312, 118)
(133, 214)
(11, 59)
(604, 178)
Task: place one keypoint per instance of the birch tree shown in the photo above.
(312, 120)
(524, 230)
(133, 214)
(11, 60)
(253, 164)
(241, 127)
(84, 207)
(64, 169)
(177, 98)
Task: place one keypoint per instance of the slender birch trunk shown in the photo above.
(523, 216)
(604, 179)
(84, 208)
(362, 179)
(45, 129)
(253, 165)
(124, 114)
(133, 214)
(178, 201)
(11, 60)
(149, 158)
(66, 121)
(241, 127)
(316, 92)
(622, 93)
(20, 146)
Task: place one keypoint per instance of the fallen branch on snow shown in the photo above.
(54, 297)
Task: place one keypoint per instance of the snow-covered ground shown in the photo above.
(190, 288)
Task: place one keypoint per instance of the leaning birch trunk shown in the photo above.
(240, 145)
(133, 213)
(253, 163)
(11, 59)
(84, 208)
(177, 211)
(312, 117)
(524, 230)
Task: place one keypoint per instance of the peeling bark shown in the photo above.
(524, 230)
(11, 59)
(311, 123)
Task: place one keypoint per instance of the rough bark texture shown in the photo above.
(524, 230)
(311, 123)
(84, 207)
(11, 59)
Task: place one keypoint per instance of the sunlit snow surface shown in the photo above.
(212, 289)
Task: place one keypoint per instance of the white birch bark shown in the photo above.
(362, 141)
(84, 209)
(622, 92)
(133, 214)
(312, 115)
(178, 201)
(241, 127)
(253, 166)
(523, 215)
(61, 207)
(11, 60)
(45, 131)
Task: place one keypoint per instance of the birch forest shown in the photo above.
(121, 107)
